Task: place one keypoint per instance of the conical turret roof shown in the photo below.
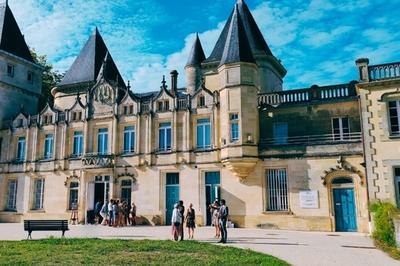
(255, 39)
(11, 39)
(196, 55)
(93, 57)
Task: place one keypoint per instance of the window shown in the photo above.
(12, 195)
(73, 195)
(21, 147)
(203, 133)
(78, 144)
(1, 146)
(29, 77)
(47, 119)
(102, 141)
(201, 101)
(394, 117)
(277, 195)
(77, 116)
(163, 106)
(164, 136)
(20, 123)
(10, 70)
(38, 196)
(172, 179)
(128, 109)
(280, 131)
(129, 139)
(340, 128)
(48, 146)
(126, 191)
(234, 121)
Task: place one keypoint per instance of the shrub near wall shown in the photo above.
(384, 230)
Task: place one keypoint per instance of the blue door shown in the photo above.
(212, 191)
(172, 195)
(345, 210)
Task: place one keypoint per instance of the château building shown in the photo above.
(304, 159)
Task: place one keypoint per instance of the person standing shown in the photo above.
(133, 215)
(214, 209)
(104, 212)
(190, 220)
(97, 209)
(223, 218)
(182, 212)
(176, 221)
(110, 213)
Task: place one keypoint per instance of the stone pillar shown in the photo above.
(23, 195)
(362, 65)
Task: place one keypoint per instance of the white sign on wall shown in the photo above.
(309, 199)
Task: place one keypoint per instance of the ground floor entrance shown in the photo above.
(171, 195)
(213, 192)
(345, 210)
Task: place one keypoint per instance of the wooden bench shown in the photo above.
(45, 225)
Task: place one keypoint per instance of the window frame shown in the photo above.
(129, 139)
(21, 149)
(280, 140)
(77, 144)
(13, 200)
(164, 129)
(102, 141)
(126, 187)
(38, 205)
(71, 190)
(397, 108)
(201, 101)
(281, 201)
(31, 75)
(234, 119)
(48, 146)
(201, 125)
(10, 74)
(341, 136)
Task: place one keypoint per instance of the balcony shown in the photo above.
(94, 160)
(384, 71)
(312, 140)
(315, 93)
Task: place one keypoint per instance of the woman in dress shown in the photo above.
(176, 221)
(215, 220)
(133, 215)
(190, 220)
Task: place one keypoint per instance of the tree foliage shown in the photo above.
(51, 78)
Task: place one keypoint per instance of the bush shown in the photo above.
(384, 230)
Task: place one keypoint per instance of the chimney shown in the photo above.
(174, 82)
(362, 65)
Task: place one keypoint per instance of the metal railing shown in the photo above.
(96, 160)
(307, 95)
(384, 71)
(313, 139)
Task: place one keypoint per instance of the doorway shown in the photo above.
(213, 192)
(344, 205)
(171, 195)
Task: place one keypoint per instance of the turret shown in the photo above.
(193, 66)
(20, 75)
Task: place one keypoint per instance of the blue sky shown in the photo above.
(317, 40)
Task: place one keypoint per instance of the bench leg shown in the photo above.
(63, 233)
(29, 235)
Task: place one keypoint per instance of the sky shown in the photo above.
(317, 41)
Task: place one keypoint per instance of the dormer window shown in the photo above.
(128, 109)
(20, 122)
(201, 101)
(47, 119)
(163, 106)
(10, 70)
(77, 116)
(29, 77)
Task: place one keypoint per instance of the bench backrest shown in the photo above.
(45, 225)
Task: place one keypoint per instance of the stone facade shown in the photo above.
(281, 159)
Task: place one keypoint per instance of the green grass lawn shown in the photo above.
(122, 252)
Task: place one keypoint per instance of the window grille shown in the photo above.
(277, 190)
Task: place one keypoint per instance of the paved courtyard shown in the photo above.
(298, 248)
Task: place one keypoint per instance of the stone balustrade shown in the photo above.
(384, 71)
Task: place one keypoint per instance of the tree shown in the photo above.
(51, 78)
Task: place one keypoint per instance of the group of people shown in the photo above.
(178, 219)
(219, 212)
(115, 213)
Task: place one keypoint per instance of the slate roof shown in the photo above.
(94, 59)
(237, 47)
(11, 38)
(197, 55)
(256, 41)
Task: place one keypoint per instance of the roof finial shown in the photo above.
(163, 82)
(129, 85)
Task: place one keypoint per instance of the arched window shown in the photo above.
(73, 195)
(342, 180)
(126, 191)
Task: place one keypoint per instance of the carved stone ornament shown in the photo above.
(104, 94)
(241, 167)
(125, 174)
(343, 165)
(71, 178)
